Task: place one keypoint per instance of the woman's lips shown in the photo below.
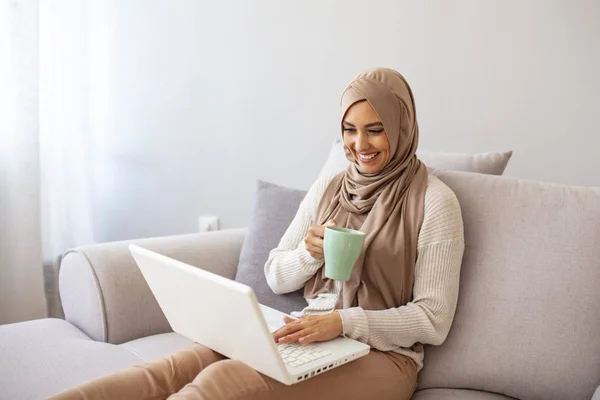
(367, 158)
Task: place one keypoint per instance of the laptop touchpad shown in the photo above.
(273, 317)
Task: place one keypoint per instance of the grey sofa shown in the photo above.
(527, 324)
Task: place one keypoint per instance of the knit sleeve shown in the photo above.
(290, 265)
(428, 317)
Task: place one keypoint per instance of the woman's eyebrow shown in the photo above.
(369, 125)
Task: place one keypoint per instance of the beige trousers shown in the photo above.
(200, 373)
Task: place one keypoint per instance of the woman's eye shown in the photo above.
(350, 130)
(375, 131)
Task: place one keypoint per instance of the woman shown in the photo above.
(403, 290)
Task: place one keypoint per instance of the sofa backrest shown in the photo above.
(528, 318)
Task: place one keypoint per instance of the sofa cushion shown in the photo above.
(157, 346)
(492, 163)
(528, 318)
(44, 357)
(273, 211)
(457, 394)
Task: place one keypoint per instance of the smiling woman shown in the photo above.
(403, 290)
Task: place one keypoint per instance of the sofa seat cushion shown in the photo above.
(457, 394)
(157, 346)
(48, 356)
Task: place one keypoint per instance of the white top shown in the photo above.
(427, 318)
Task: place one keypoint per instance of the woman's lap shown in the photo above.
(200, 373)
(378, 375)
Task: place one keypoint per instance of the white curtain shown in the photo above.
(21, 279)
(46, 150)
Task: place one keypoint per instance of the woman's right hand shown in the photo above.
(314, 240)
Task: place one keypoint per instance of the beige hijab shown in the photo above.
(387, 206)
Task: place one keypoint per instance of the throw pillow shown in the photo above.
(491, 163)
(274, 209)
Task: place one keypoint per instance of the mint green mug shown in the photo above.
(342, 247)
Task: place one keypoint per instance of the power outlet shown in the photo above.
(208, 224)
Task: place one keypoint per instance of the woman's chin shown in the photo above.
(369, 169)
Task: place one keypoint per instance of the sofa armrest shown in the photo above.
(105, 295)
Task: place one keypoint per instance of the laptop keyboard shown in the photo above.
(296, 354)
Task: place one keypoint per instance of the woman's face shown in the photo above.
(365, 137)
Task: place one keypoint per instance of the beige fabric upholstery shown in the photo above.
(528, 318)
(457, 394)
(105, 295)
(157, 346)
(493, 163)
(47, 356)
(81, 296)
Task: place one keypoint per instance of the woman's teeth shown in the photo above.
(367, 157)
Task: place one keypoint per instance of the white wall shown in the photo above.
(195, 100)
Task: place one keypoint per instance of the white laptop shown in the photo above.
(225, 316)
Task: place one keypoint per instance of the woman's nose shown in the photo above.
(362, 142)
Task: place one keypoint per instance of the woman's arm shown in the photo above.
(290, 265)
(428, 317)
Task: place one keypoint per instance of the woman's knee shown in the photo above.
(204, 354)
(226, 370)
(232, 379)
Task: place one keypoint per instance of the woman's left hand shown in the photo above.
(312, 328)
